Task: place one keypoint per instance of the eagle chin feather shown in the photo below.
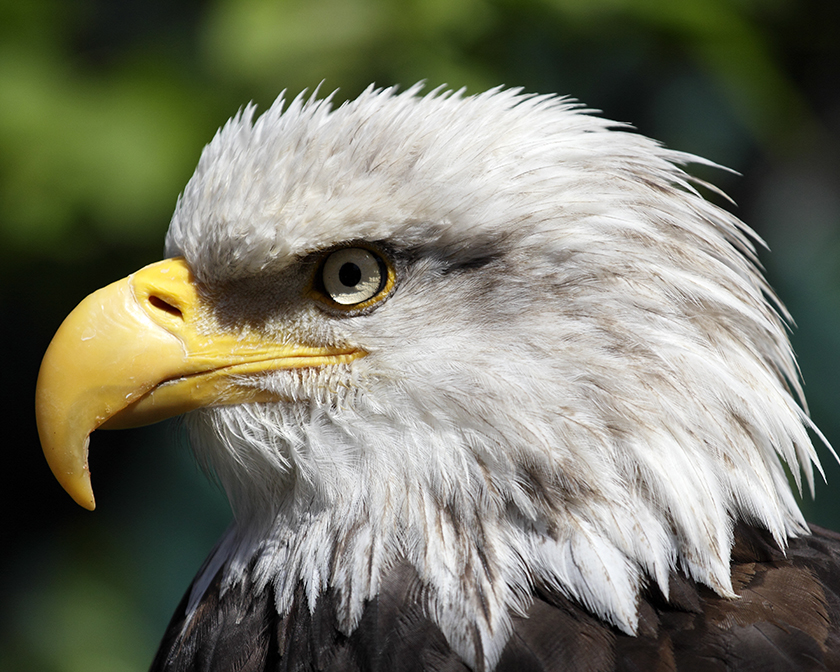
(579, 385)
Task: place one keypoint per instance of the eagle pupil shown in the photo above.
(349, 274)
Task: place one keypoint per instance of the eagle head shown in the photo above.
(494, 338)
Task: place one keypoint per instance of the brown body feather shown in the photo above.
(786, 618)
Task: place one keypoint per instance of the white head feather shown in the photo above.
(581, 379)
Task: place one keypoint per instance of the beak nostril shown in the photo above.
(165, 306)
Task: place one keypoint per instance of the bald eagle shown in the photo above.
(489, 386)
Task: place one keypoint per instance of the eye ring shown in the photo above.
(353, 278)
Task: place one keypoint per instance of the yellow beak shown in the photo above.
(138, 351)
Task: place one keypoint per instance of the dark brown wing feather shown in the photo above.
(786, 619)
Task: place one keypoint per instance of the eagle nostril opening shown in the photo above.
(165, 306)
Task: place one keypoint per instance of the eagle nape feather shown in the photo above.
(489, 386)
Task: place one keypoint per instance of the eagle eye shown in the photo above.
(354, 277)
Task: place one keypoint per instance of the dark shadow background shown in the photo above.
(106, 104)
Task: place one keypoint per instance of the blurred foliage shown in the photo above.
(104, 108)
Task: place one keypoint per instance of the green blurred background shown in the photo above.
(106, 104)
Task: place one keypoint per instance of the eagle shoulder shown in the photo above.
(785, 618)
